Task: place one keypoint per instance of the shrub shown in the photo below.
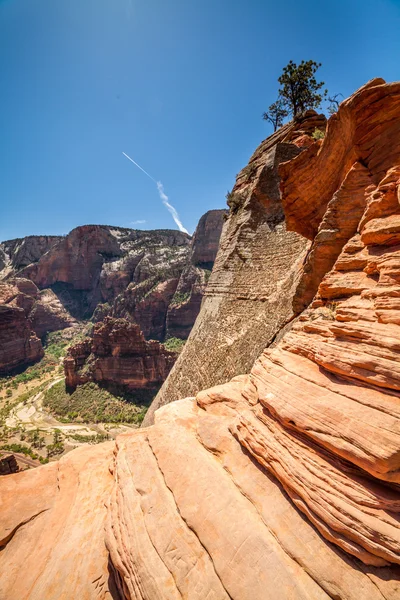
(180, 298)
(174, 344)
(235, 200)
(318, 134)
(91, 403)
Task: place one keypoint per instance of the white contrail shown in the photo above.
(168, 206)
(139, 167)
(163, 196)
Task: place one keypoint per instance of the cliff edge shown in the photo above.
(282, 484)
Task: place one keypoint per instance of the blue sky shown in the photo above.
(179, 85)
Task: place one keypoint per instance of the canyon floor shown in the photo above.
(40, 422)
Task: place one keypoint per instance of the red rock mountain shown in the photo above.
(26, 314)
(282, 484)
(155, 279)
(117, 353)
(250, 295)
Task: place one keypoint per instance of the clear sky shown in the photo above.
(179, 85)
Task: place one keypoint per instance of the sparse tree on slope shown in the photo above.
(299, 92)
(276, 114)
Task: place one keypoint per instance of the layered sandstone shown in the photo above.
(21, 252)
(128, 273)
(118, 354)
(282, 484)
(26, 316)
(249, 297)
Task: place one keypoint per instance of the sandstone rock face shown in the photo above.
(205, 240)
(27, 314)
(19, 345)
(146, 277)
(19, 253)
(8, 464)
(118, 354)
(249, 297)
(127, 273)
(282, 484)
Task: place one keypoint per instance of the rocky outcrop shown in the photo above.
(281, 484)
(127, 273)
(8, 464)
(21, 252)
(146, 277)
(118, 354)
(27, 314)
(250, 294)
(19, 345)
(206, 238)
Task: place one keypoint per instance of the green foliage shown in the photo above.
(174, 344)
(207, 274)
(101, 311)
(90, 403)
(90, 439)
(35, 439)
(276, 114)
(318, 134)
(20, 449)
(300, 89)
(55, 345)
(180, 298)
(57, 447)
(299, 92)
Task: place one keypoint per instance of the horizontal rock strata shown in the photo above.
(282, 484)
(117, 353)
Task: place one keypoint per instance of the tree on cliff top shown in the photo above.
(276, 114)
(299, 92)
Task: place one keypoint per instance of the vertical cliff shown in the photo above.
(250, 294)
(282, 484)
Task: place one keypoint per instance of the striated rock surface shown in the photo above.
(249, 296)
(282, 484)
(27, 314)
(205, 240)
(118, 353)
(19, 344)
(146, 277)
(21, 252)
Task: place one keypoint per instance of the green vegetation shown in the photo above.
(299, 92)
(180, 298)
(207, 273)
(34, 438)
(101, 311)
(55, 345)
(90, 439)
(174, 344)
(90, 403)
(20, 449)
(54, 348)
(318, 134)
(57, 447)
(276, 114)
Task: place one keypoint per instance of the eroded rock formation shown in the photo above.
(21, 252)
(26, 315)
(282, 484)
(118, 353)
(249, 297)
(155, 279)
